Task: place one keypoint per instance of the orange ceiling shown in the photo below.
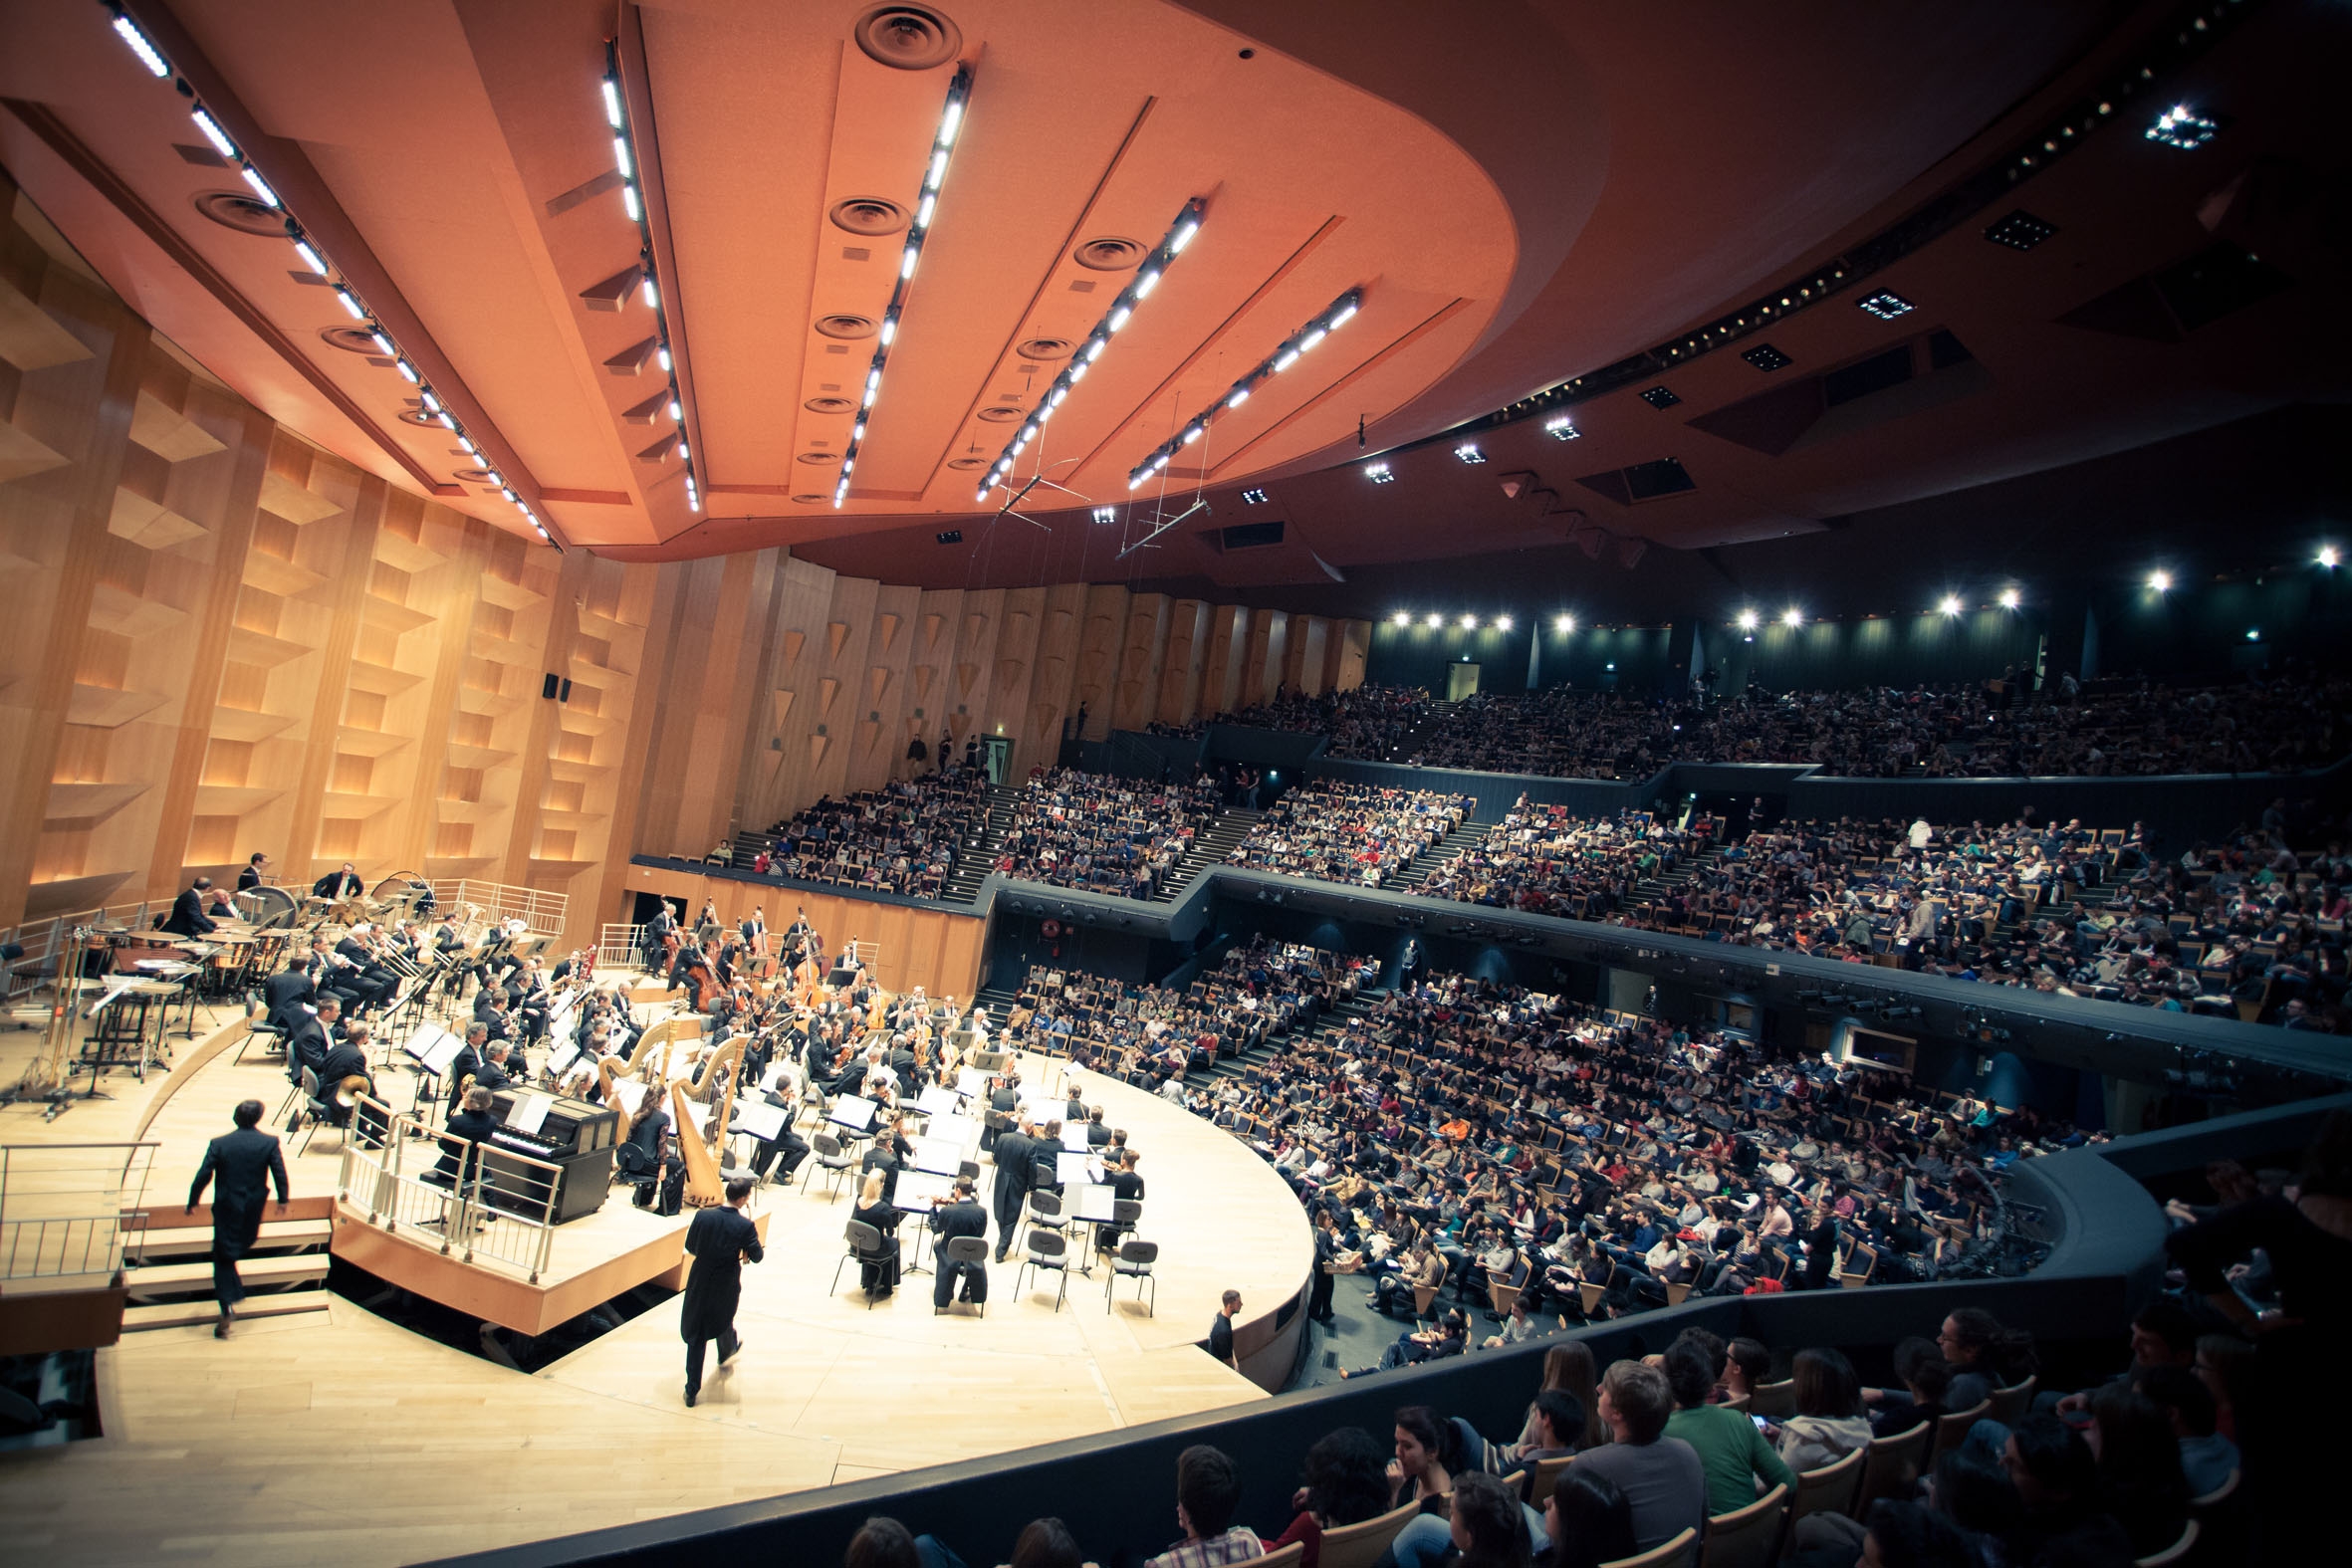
(1525, 190)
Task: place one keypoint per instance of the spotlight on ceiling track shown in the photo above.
(1886, 305)
(2010, 598)
(1749, 620)
(951, 120)
(2160, 582)
(2182, 126)
(1469, 623)
(1502, 623)
(1107, 513)
(2329, 556)
(1561, 428)
(1565, 625)
(1468, 452)
(630, 167)
(1949, 604)
(1401, 618)
(1433, 622)
(1793, 617)
(1379, 474)
(149, 56)
(1333, 317)
(1252, 498)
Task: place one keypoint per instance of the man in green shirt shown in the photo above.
(1733, 1452)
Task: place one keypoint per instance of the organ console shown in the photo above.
(575, 1136)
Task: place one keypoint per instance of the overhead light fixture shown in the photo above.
(359, 312)
(2182, 126)
(1402, 618)
(953, 535)
(1107, 513)
(2329, 556)
(1660, 396)
(1886, 305)
(1502, 623)
(1766, 358)
(627, 160)
(2010, 598)
(1949, 604)
(214, 134)
(1565, 624)
(1333, 316)
(309, 256)
(1435, 621)
(1469, 453)
(1469, 623)
(1749, 620)
(2160, 582)
(1378, 474)
(1121, 310)
(260, 188)
(2253, 634)
(149, 56)
(1256, 498)
(1561, 428)
(2020, 230)
(1793, 617)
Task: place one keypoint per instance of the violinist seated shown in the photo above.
(788, 1145)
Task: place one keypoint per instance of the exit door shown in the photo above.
(1460, 681)
(996, 755)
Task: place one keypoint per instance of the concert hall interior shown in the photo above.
(1173, 782)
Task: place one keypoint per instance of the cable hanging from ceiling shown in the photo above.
(1304, 342)
(951, 120)
(308, 251)
(632, 201)
(1147, 278)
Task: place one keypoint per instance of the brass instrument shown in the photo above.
(346, 1093)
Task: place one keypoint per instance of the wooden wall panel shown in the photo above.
(1096, 681)
(1143, 647)
(1180, 668)
(930, 947)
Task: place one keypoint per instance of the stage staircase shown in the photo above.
(167, 1266)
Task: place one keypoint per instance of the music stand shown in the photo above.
(853, 1115)
(920, 1194)
(431, 1050)
(939, 1100)
(1095, 1201)
(1071, 1170)
(939, 1156)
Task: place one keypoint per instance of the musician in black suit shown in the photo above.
(469, 1125)
(337, 884)
(1097, 1133)
(657, 932)
(345, 1059)
(721, 1241)
(890, 1152)
(492, 1074)
(244, 1161)
(469, 1059)
(250, 877)
(964, 1216)
(373, 983)
(490, 1011)
(312, 1038)
(1127, 1187)
(1014, 1154)
(283, 995)
(187, 916)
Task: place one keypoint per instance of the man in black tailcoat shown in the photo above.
(720, 1239)
(244, 1161)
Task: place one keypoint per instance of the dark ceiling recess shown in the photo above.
(907, 37)
(1874, 375)
(1792, 414)
(2167, 305)
(2020, 230)
(1044, 348)
(1660, 398)
(2170, 43)
(350, 339)
(1663, 476)
(1242, 536)
(829, 405)
(233, 209)
(953, 535)
(1767, 358)
(843, 324)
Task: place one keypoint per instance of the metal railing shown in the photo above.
(62, 1206)
(621, 945)
(541, 911)
(481, 1203)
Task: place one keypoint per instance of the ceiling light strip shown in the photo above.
(308, 251)
(943, 144)
(1293, 348)
(632, 201)
(1147, 278)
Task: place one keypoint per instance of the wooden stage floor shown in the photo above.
(338, 1437)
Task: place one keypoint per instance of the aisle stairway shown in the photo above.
(1331, 1023)
(167, 1269)
(1209, 848)
(978, 851)
(1418, 871)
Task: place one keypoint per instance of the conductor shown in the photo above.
(964, 1216)
(720, 1239)
(1014, 1154)
(243, 1160)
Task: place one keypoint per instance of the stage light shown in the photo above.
(1107, 513)
(261, 187)
(128, 32)
(310, 257)
(1502, 623)
(1468, 452)
(1378, 474)
(1749, 620)
(1565, 624)
(2160, 582)
(1402, 618)
(213, 134)
(1949, 604)
(2010, 598)
(613, 102)
(2178, 126)
(1793, 617)
(1886, 305)
(1469, 623)
(2253, 634)
(1435, 621)
(1561, 428)
(2329, 556)
(1256, 498)
(1334, 316)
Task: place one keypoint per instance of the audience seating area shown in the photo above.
(1108, 835)
(902, 838)
(1335, 831)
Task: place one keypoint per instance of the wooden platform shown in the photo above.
(214, 1448)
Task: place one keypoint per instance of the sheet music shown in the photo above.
(938, 1155)
(962, 1131)
(972, 1082)
(1093, 1201)
(629, 1093)
(700, 1115)
(434, 1049)
(1074, 1137)
(529, 1111)
(774, 1075)
(938, 1100)
(852, 1112)
(1071, 1168)
(757, 1117)
(562, 1057)
(918, 1191)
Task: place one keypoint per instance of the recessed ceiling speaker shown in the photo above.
(233, 209)
(842, 324)
(907, 37)
(1108, 253)
(350, 339)
(1044, 348)
(418, 416)
(1000, 414)
(821, 457)
(967, 464)
(810, 500)
(829, 405)
(474, 476)
(867, 215)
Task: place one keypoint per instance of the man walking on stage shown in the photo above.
(244, 1161)
(964, 1216)
(1014, 1154)
(720, 1241)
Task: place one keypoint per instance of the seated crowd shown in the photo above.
(1336, 831)
(900, 838)
(1153, 1035)
(2291, 723)
(1104, 834)
(1522, 1148)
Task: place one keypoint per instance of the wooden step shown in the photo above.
(277, 1235)
(179, 1279)
(180, 1314)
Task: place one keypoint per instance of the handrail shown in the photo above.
(451, 1206)
(61, 1213)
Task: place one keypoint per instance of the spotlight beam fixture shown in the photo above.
(1287, 353)
(636, 155)
(282, 175)
(1147, 278)
(1162, 526)
(935, 167)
